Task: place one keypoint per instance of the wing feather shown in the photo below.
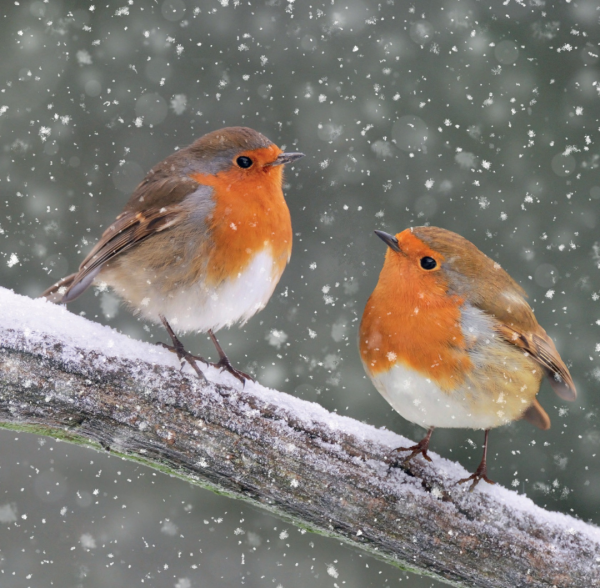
(542, 349)
(128, 230)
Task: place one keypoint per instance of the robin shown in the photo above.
(448, 339)
(201, 243)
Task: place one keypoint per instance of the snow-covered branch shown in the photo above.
(64, 376)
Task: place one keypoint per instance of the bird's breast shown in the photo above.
(427, 338)
(248, 218)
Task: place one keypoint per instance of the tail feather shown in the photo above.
(537, 416)
(57, 291)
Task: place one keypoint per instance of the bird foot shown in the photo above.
(420, 448)
(225, 365)
(182, 354)
(476, 477)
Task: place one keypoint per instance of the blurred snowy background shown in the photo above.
(479, 118)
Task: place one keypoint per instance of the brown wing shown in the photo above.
(154, 206)
(542, 349)
(127, 231)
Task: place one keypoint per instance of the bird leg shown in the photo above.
(224, 362)
(182, 354)
(421, 447)
(481, 471)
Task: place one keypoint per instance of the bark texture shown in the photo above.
(256, 445)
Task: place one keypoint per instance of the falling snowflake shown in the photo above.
(179, 103)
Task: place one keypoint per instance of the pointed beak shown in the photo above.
(286, 158)
(389, 240)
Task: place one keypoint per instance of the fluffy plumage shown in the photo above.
(202, 241)
(465, 327)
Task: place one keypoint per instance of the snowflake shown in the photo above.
(332, 571)
(276, 338)
(179, 103)
(83, 57)
(44, 133)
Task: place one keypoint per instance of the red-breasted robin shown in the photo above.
(448, 339)
(202, 242)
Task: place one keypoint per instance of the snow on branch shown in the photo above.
(64, 376)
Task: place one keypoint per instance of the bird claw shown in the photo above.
(415, 449)
(476, 477)
(419, 448)
(225, 365)
(184, 356)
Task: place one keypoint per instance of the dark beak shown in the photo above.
(389, 240)
(286, 158)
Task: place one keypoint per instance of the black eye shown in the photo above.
(428, 263)
(244, 162)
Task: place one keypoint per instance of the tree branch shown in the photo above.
(63, 376)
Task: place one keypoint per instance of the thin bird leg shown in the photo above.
(421, 447)
(224, 362)
(180, 350)
(481, 471)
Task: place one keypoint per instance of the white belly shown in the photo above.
(198, 308)
(420, 400)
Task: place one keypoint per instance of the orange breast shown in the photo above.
(250, 215)
(408, 321)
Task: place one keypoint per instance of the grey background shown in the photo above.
(501, 145)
